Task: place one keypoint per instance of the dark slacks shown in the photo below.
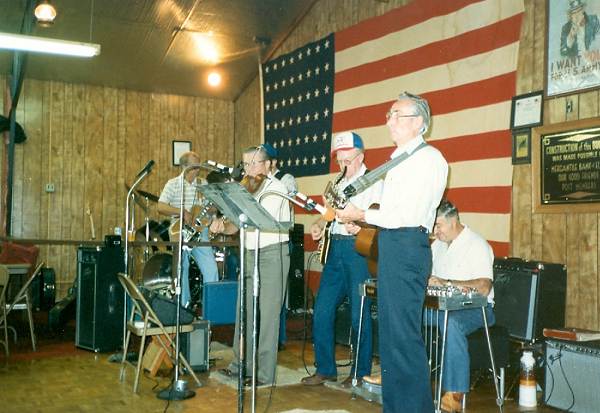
(403, 269)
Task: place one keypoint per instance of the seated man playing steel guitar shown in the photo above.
(344, 270)
(168, 204)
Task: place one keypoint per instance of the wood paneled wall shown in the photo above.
(569, 238)
(564, 238)
(90, 142)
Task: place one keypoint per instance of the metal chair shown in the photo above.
(3, 287)
(148, 325)
(21, 301)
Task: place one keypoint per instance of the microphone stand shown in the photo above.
(178, 390)
(130, 195)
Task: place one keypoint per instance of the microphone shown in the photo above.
(310, 204)
(220, 167)
(146, 169)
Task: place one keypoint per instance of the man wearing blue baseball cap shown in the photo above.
(344, 270)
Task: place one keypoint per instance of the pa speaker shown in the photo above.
(195, 345)
(296, 274)
(99, 312)
(571, 375)
(529, 296)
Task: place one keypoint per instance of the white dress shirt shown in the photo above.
(362, 200)
(466, 258)
(412, 190)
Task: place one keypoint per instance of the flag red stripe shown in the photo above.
(497, 89)
(395, 20)
(444, 51)
(484, 199)
(501, 249)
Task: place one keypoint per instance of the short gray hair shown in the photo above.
(184, 159)
(421, 108)
(447, 210)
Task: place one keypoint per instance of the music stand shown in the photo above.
(240, 207)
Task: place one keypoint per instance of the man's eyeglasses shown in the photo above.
(347, 161)
(246, 165)
(396, 114)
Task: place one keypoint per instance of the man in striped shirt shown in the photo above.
(168, 204)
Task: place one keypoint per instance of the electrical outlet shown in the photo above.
(49, 188)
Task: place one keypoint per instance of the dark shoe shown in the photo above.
(348, 382)
(317, 379)
(452, 402)
(248, 382)
(374, 379)
(227, 372)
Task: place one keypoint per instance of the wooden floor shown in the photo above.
(81, 381)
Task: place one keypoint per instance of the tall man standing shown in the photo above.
(273, 263)
(168, 204)
(411, 193)
(344, 270)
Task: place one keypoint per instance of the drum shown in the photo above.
(157, 271)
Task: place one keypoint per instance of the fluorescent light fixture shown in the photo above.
(46, 45)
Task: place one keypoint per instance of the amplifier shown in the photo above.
(571, 375)
(195, 345)
(219, 302)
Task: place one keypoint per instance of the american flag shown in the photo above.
(461, 56)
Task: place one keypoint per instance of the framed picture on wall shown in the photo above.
(521, 146)
(572, 46)
(526, 110)
(179, 148)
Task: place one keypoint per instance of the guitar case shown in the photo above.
(63, 311)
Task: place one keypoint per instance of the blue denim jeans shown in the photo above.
(344, 271)
(461, 323)
(205, 259)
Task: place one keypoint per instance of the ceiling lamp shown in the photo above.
(214, 79)
(46, 45)
(45, 13)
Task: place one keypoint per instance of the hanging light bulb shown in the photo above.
(214, 78)
(45, 13)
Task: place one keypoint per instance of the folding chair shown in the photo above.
(3, 287)
(21, 301)
(149, 325)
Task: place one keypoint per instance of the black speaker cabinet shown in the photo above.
(529, 296)
(99, 314)
(343, 324)
(571, 375)
(195, 345)
(296, 274)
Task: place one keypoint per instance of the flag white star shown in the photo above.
(290, 141)
(327, 44)
(283, 102)
(300, 56)
(317, 70)
(298, 120)
(316, 93)
(306, 118)
(298, 140)
(315, 137)
(282, 124)
(292, 60)
(297, 161)
(289, 162)
(283, 83)
(275, 66)
(324, 136)
(281, 143)
(300, 77)
(314, 160)
(275, 145)
(292, 80)
(275, 105)
(317, 49)
(290, 121)
(308, 73)
(304, 161)
(308, 51)
(292, 100)
(266, 69)
(299, 98)
(268, 106)
(316, 116)
(283, 63)
(275, 125)
(323, 158)
(326, 90)
(268, 126)
(267, 88)
(275, 86)
(307, 95)
(326, 67)
(326, 113)
(306, 138)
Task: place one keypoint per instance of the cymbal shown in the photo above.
(147, 195)
(136, 199)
